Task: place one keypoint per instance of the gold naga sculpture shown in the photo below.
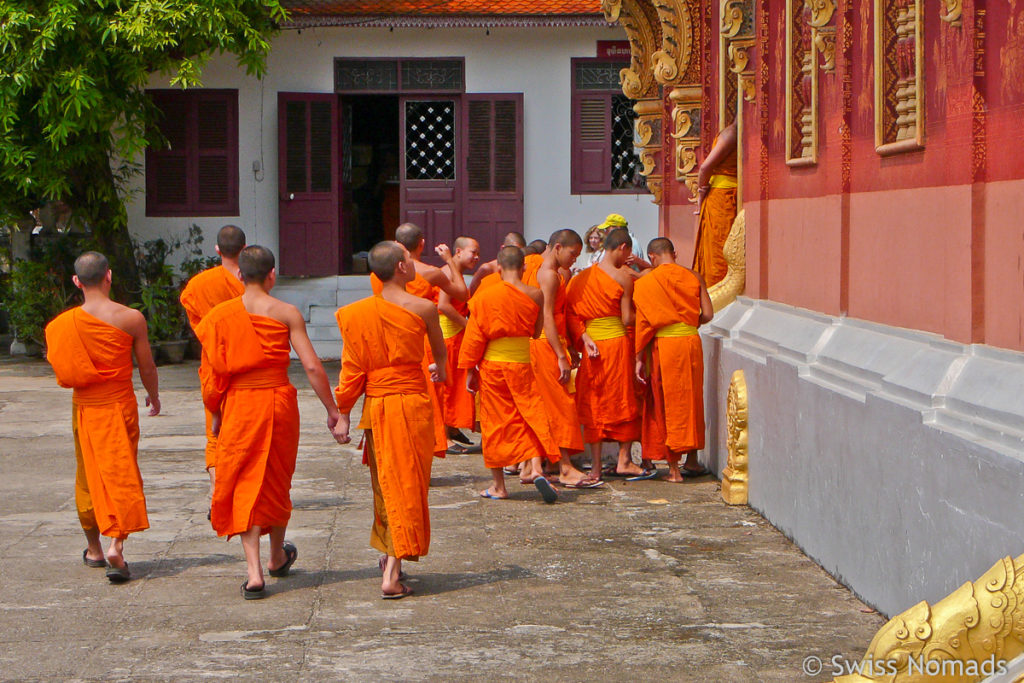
(966, 636)
(734, 476)
(725, 292)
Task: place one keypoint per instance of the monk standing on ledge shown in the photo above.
(90, 349)
(671, 302)
(716, 206)
(496, 355)
(204, 291)
(382, 357)
(256, 415)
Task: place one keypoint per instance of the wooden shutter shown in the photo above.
(216, 153)
(591, 143)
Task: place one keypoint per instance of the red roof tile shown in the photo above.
(441, 8)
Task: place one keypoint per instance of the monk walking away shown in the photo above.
(457, 404)
(671, 303)
(496, 354)
(255, 413)
(599, 304)
(552, 360)
(204, 291)
(384, 344)
(90, 348)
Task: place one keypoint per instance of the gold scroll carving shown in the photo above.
(952, 12)
(980, 621)
(736, 38)
(686, 117)
(734, 250)
(734, 476)
(648, 141)
(672, 62)
(899, 70)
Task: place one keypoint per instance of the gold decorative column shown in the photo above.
(736, 75)
(899, 74)
(734, 476)
(686, 118)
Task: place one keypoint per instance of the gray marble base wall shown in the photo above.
(893, 458)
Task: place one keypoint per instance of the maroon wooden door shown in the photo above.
(307, 170)
(429, 168)
(494, 168)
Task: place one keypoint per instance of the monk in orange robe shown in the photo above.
(599, 305)
(496, 354)
(457, 403)
(204, 291)
(671, 303)
(246, 342)
(490, 270)
(716, 206)
(552, 365)
(427, 283)
(90, 348)
(384, 338)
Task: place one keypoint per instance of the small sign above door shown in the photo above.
(613, 49)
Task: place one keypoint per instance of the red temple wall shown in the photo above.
(931, 239)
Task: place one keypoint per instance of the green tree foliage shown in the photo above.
(74, 115)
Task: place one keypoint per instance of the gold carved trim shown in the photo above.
(647, 139)
(899, 76)
(731, 286)
(952, 12)
(801, 85)
(734, 477)
(982, 621)
(686, 118)
(735, 75)
(644, 36)
(672, 61)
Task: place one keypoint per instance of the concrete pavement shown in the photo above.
(644, 580)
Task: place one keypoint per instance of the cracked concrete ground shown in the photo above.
(645, 580)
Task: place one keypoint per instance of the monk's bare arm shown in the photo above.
(482, 271)
(707, 310)
(135, 325)
(451, 281)
(428, 312)
(310, 363)
(626, 303)
(445, 308)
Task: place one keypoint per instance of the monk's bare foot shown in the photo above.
(673, 478)
(632, 469)
(115, 554)
(493, 495)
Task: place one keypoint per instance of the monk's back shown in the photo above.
(382, 333)
(669, 294)
(207, 289)
(504, 311)
(594, 294)
(106, 346)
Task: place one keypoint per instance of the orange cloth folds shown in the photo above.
(259, 434)
(717, 213)
(512, 414)
(457, 403)
(381, 356)
(606, 397)
(204, 291)
(95, 359)
(673, 416)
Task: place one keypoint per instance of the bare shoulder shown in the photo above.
(128, 319)
(534, 293)
(418, 305)
(284, 312)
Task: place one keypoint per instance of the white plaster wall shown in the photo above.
(534, 61)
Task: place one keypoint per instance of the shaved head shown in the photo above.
(91, 268)
(538, 246)
(463, 242)
(567, 238)
(616, 238)
(230, 241)
(514, 239)
(661, 245)
(510, 258)
(255, 262)
(409, 235)
(384, 258)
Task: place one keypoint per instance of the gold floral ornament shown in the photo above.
(734, 476)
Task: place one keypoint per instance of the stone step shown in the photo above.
(325, 350)
(323, 332)
(323, 316)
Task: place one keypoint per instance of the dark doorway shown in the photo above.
(369, 149)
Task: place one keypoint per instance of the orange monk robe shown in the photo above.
(563, 419)
(667, 315)
(423, 289)
(531, 263)
(259, 434)
(381, 357)
(717, 213)
(204, 291)
(457, 403)
(95, 359)
(605, 394)
(513, 417)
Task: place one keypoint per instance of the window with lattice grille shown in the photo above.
(604, 160)
(196, 172)
(430, 140)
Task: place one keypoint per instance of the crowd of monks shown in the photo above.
(543, 363)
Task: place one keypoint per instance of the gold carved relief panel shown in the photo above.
(686, 119)
(735, 71)
(899, 76)
(810, 50)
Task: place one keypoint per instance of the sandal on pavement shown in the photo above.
(92, 563)
(646, 474)
(290, 552)
(405, 592)
(547, 491)
(253, 594)
(118, 574)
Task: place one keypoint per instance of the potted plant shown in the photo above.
(159, 301)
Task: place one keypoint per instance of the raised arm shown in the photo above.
(449, 281)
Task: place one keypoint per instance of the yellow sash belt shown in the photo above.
(610, 327)
(508, 350)
(723, 181)
(449, 328)
(676, 330)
